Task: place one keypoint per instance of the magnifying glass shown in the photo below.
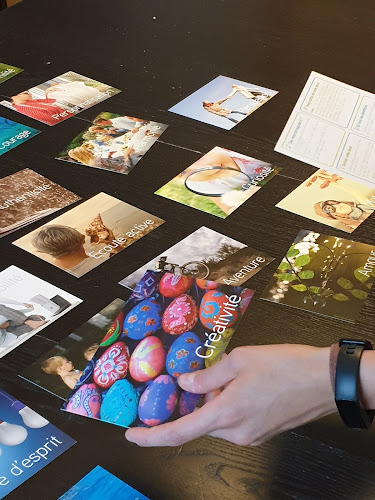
(216, 181)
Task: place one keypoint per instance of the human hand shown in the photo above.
(267, 390)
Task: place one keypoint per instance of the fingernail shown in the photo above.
(129, 437)
(187, 378)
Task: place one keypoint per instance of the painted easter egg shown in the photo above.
(180, 316)
(246, 295)
(86, 401)
(86, 375)
(188, 402)
(206, 284)
(120, 405)
(112, 365)
(146, 286)
(143, 320)
(158, 401)
(147, 360)
(213, 309)
(172, 285)
(181, 357)
(114, 331)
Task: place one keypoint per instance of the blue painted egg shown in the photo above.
(120, 404)
(143, 320)
(181, 357)
(215, 307)
(158, 401)
(188, 402)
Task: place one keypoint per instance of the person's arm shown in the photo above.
(267, 390)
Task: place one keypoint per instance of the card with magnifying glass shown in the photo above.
(324, 274)
(219, 182)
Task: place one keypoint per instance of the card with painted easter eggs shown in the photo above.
(173, 323)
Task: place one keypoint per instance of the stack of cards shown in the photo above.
(27, 196)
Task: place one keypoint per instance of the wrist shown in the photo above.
(322, 371)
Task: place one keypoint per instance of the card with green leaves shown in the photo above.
(324, 274)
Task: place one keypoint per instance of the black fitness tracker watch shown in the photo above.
(347, 395)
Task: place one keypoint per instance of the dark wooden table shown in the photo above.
(158, 53)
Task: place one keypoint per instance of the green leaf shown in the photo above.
(315, 289)
(369, 285)
(359, 294)
(344, 283)
(302, 260)
(340, 297)
(306, 275)
(299, 288)
(327, 293)
(284, 265)
(360, 276)
(292, 252)
(286, 277)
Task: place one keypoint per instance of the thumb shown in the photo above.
(209, 379)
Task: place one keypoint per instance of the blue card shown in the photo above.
(28, 442)
(100, 484)
(12, 134)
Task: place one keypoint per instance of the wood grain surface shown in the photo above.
(158, 53)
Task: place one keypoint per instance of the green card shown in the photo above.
(7, 71)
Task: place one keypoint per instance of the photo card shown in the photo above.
(7, 71)
(332, 200)
(89, 234)
(27, 305)
(60, 98)
(27, 196)
(324, 274)
(100, 484)
(171, 324)
(59, 369)
(113, 142)
(219, 182)
(28, 443)
(13, 134)
(223, 102)
(222, 259)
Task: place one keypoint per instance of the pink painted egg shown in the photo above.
(215, 307)
(112, 365)
(206, 284)
(246, 295)
(180, 316)
(86, 401)
(147, 360)
(158, 401)
(172, 285)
